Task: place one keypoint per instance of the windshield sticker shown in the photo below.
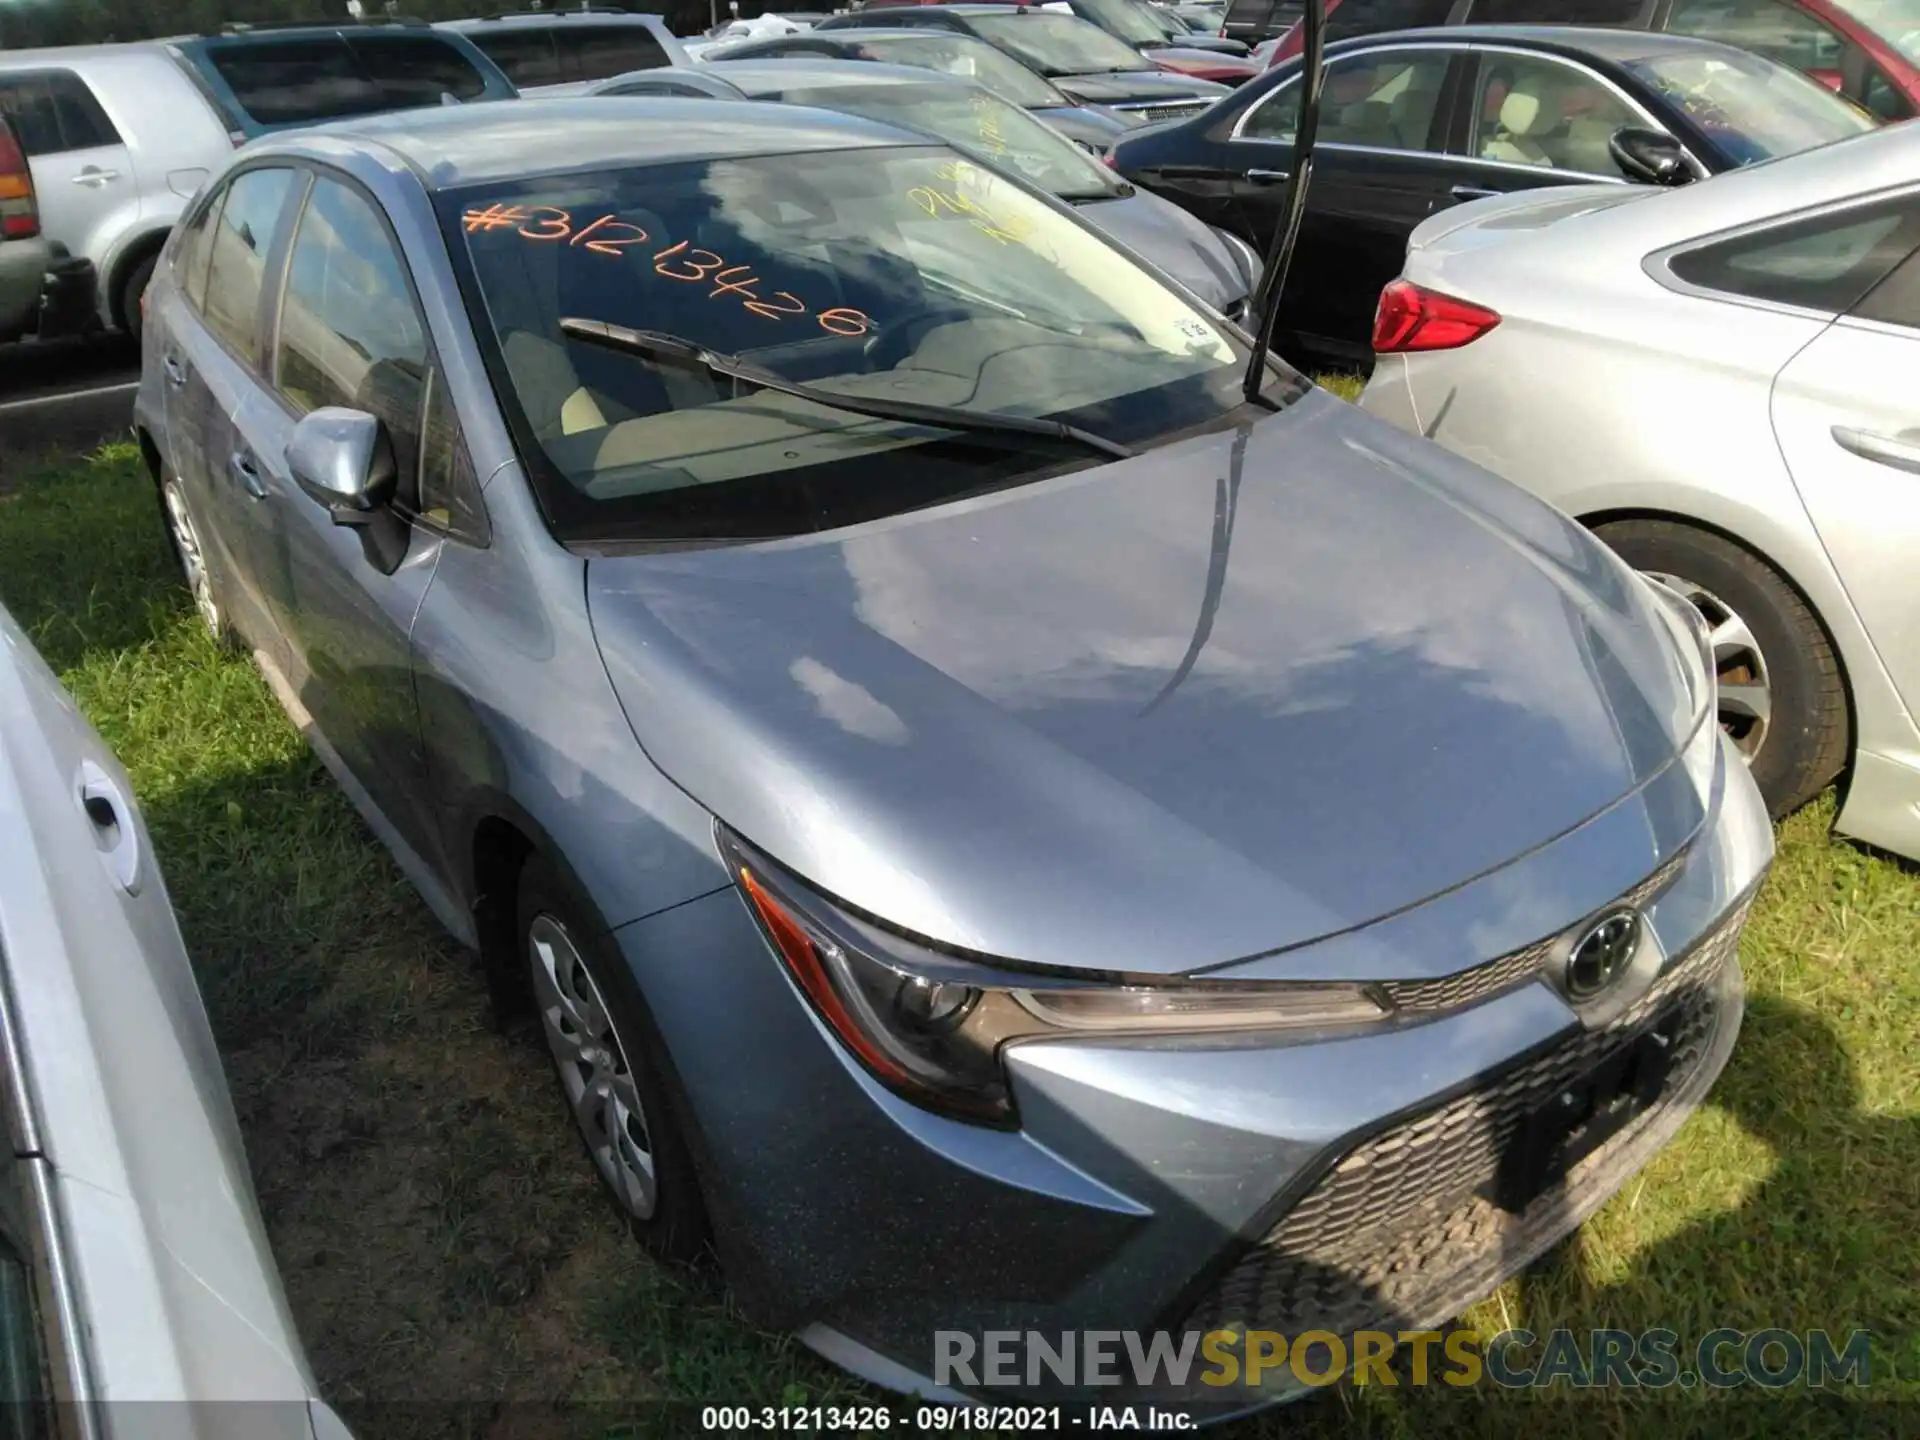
(954, 202)
(986, 119)
(610, 235)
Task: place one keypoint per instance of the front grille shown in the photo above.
(1401, 1233)
(1512, 970)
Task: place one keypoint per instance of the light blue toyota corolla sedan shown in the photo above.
(1000, 831)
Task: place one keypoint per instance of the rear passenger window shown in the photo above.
(1384, 102)
(1896, 299)
(53, 111)
(350, 331)
(597, 52)
(525, 54)
(190, 252)
(1370, 17)
(1827, 263)
(242, 238)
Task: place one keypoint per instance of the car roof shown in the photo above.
(521, 20)
(864, 34)
(759, 77)
(463, 144)
(1604, 44)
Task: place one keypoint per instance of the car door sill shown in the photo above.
(459, 922)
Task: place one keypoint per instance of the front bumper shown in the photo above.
(1335, 1182)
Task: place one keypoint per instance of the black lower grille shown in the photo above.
(1404, 1230)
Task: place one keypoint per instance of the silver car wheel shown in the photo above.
(593, 1066)
(193, 560)
(1746, 686)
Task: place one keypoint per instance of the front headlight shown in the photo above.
(932, 1026)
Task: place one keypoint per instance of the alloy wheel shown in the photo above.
(1746, 687)
(592, 1062)
(193, 559)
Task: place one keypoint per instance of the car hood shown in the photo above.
(1168, 237)
(1237, 693)
(1122, 87)
(1084, 124)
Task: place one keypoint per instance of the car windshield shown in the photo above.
(984, 125)
(1056, 44)
(1752, 108)
(907, 274)
(1895, 21)
(975, 59)
(1123, 18)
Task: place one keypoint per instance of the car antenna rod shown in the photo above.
(1273, 278)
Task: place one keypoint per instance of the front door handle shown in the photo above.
(1900, 453)
(175, 372)
(94, 177)
(243, 469)
(1472, 192)
(1266, 177)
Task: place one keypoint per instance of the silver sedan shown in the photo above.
(1720, 381)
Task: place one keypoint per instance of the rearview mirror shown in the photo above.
(342, 460)
(1649, 156)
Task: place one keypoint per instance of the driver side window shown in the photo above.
(352, 334)
(1537, 112)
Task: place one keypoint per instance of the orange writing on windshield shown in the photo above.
(685, 262)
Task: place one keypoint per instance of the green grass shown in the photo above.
(441, 1237)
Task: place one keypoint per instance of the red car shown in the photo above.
(1867, 50)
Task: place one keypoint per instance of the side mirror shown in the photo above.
(343, 462)
(1649, 156)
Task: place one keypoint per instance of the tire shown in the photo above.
(604, 1045)
(131, 289)
(185, 535)
(1768, 644)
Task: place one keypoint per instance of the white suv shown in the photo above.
(119, 139)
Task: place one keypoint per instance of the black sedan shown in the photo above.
(1417, 120)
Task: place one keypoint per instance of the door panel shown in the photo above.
(217, 350)
(349, 332)
(1848, 419)
(1378, 171)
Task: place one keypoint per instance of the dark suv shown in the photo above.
(269, 77)
(1868, 54)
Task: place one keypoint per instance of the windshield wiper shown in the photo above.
(654, 345)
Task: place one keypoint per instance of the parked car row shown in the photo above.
(1037, 779)
(1418, 121)
(1865, 50)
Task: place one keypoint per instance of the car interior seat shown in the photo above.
(1525, 116)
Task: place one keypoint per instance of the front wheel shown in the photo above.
(1783, 700)
(603, 1047)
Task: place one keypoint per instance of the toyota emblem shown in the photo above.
(1601, 955)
